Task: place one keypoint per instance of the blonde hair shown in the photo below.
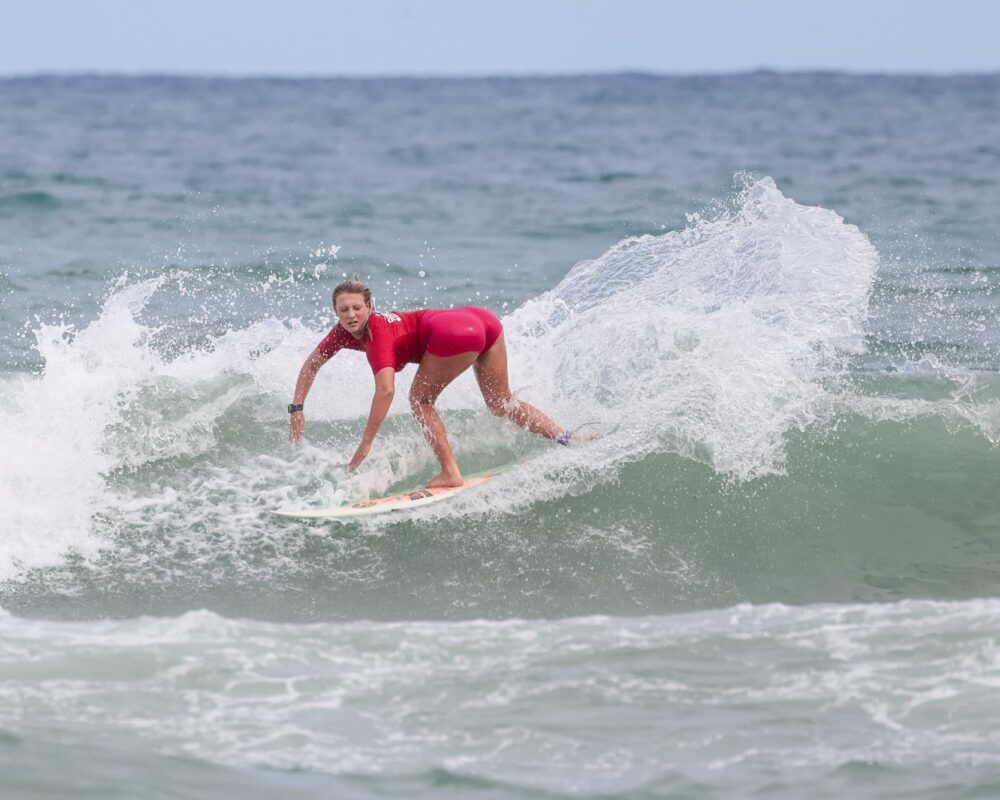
(353, 285)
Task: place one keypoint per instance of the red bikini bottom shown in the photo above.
(450, 331)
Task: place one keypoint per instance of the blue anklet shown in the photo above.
(565, 437)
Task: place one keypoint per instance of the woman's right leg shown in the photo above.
(433, 375)
(491, 374)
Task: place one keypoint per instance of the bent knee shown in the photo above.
(419, 400)
(501, 406)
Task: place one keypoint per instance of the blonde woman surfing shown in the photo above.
(444, 343)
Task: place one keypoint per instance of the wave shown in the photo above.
(522, 704)
(29, 201)
(702, 355)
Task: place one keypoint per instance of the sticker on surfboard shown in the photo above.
(382, 505)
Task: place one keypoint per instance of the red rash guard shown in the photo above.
(393, 340)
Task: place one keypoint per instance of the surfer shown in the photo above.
(444, 343)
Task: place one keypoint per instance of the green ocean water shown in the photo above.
(774, 573)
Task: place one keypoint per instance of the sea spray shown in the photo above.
(712, 341)
(54, 430)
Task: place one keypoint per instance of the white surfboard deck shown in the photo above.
(382, 505)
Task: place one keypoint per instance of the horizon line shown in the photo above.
(476, 75)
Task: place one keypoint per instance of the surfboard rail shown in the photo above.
(383, 505)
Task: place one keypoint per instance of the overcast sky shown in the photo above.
(463, 37)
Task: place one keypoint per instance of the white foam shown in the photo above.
(902, 684)
(53, 429)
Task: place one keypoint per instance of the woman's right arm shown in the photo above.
(297, 422)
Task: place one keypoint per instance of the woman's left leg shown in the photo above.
(491, 374)
(433, 374)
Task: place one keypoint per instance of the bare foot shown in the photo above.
(445, 480)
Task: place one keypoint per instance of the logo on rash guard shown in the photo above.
(388, 316)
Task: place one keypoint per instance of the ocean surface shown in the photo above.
(775, 572)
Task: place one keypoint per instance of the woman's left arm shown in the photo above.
(385, 388)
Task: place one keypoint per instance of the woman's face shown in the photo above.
(353, 313)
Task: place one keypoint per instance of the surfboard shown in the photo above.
(383, 505)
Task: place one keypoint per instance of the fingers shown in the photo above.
(359, 455)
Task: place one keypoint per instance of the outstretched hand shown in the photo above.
(296, 427)
(359, 455)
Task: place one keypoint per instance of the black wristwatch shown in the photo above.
(293, 407)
